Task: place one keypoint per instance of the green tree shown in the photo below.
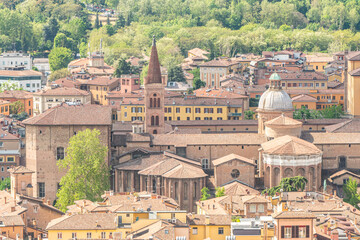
(220, 191)
(61, 73)
(120, 22)
(8, 86)
(59, 58)
(351, 194)
(291, 184)
(176, 74)
(5, 184)
(122, 68)
(16, 107)
(197, 83)
(51, 29)
(108, 20)
(87, 174)
(97, 22)
(205, 194)
(110, 30)
(249, 115)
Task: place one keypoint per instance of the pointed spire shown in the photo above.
(154, 72)
(154, 41)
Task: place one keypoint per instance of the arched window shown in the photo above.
(157, 120)
(151, 102)
(152, 121)
(195, 190)
(342, 162)
(155, 132)
(158, 104)
(60, 153)
(186, 191)
(154, 186)
(176, 191)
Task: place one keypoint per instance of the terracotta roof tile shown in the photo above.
(73, 115)
(289, 145)
(20, 169)
(200, 219)
(154, 72)
(342, 172)
(17, 94)
(22, 73)
(62, 91)
(294, 215)
(89, 221)
(303, 75)
(237, 188)
(231, 157)
(282, 120)
(304, 98)
(9, 221)
(219, 63)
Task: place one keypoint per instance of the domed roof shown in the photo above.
(275, 76)
(275, 100)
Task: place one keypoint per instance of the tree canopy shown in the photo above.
(351, 194)
(59, 58)
(87, 174)
(291, 184)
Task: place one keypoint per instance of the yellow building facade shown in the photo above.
(201, 232)
(176, 113)
(353, 85)
(4, 108)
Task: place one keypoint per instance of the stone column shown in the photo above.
(271, 177)
(318, 177)
(148, 188)
(141, 183)
(191, 195)
(132, 182)
(181, 192)
(158, 185)
(123, 181)
(116, 185)
(170, 190)
(307, 174)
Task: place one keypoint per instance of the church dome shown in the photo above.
(275, 99)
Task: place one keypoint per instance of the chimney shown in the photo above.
(334, 235)
(207, 220)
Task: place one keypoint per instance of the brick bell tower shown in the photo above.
(154, 91)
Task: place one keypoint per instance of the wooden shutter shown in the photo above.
(293, 231)
(282, 231)
(307, 231)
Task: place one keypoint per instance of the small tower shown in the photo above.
(154, 95)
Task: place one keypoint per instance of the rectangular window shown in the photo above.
(219, 110)
(220, 230)
(252, 208)
(10, 159)
(261, 208)
(73, 235)
(197, 110)
(28, 85)
(305, 84)
(60, 153)
(178, 118)
(125, 114)
(197, 118)
(133, 109)
(165, 110)
(165, 118)
(1, 144)
(88, 235)
(219, 118)
(316, 84)
(194, 230)
(1, 159)
(59, 235)
(103, 235)
(302, 231)
(188, 110)
(211, 110)
(300, 84)
(287, 232)
(311, 84)
(177, 110)
(41, 189)
(323, 84)
(169, 110)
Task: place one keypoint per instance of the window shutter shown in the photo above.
(297, 231)
(293, 232)
(282, 231)
(307, 231)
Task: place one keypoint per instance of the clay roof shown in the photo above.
(141, 162)
(331, 138)
(214, 123)
(231, 157)
(217, 93)
(335, 84)
(103, 81)
(319, 58)
(198, 52)
(73, 115)
(154, 72)
(303, 75)
(355, 72)
(238, 188)
(200, 219)
(62, 91)
(22, 73)
(9, 221)
(349, 126)
(88, 221)
(18, 94)
(200, 101)
(4, 135)
(185, 171)
(79, 62)
(153, 202)
(312, 91)
(289, 145)
(282, 120)
(219, 63)
(304, 98)
(20, 169)
(10, 208)
(342, 172)
(353, 56)
(64, 83)
(208, 139)
(294, 215)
